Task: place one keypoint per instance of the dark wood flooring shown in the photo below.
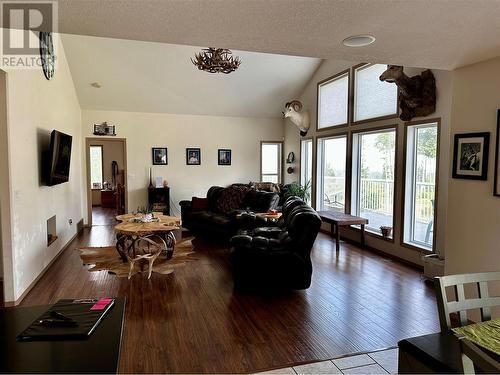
(192, 320)
(103, 215)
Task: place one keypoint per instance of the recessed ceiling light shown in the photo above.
(96, 85)
(358, 40)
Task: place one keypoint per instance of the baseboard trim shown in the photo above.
(34, 282)
(376, 251)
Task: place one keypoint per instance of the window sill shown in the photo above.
(417, 247)
(372, 233)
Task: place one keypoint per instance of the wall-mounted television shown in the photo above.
(57, 159)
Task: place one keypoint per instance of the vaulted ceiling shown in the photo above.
(439, 34)
(140, 76)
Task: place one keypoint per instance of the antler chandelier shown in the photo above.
(216, 60)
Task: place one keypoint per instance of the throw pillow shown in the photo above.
(231, 198)
(267, 186)
(199, 204)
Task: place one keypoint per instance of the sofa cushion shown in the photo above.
(199, 204)
(213, 195)
(266, 186)
(231, 198)
(261, 201)
(220, 220)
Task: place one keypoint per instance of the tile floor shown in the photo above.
(380, 362)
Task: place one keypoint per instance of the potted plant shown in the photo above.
(297, 190)
(386, 231)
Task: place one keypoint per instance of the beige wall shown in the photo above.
(292, 143)
(35, 107)
(473, 236)
(176, 132)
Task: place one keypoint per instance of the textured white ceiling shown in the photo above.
(440, 34)
(140, 76)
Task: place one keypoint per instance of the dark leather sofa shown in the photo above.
(212, 222)
(277, 256)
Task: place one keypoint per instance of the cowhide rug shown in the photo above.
(107, 258)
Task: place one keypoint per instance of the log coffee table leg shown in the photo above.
(121, 246)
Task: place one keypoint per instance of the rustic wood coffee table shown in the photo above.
(339, 219)
(137, 241)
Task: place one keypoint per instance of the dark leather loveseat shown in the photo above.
(213, 217)
(277, 256)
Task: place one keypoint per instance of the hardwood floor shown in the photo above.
(192, 321)
(103, 215)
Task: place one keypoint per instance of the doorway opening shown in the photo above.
(106, 179)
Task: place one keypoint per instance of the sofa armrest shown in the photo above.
(241, 240)
(185, 205)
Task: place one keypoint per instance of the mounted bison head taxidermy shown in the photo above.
(417, 94)
(293, 110)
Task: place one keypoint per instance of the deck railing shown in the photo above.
(377, 195)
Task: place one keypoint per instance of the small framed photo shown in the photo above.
(470, 156)
(193, 156)
(224, 156)
(160, 156)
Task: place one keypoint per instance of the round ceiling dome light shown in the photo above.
(358, 40)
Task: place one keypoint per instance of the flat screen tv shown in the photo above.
(58, 159)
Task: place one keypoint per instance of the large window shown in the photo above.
(95, 167)
(373, 170)
(333, 97)
(420, 185)
(331, 173)
(372, 97)
(306, 160)
(271, 161)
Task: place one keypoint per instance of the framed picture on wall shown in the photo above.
(160, 156)
(224, 156)
(496, 183)
(470, 156)
(193, 156)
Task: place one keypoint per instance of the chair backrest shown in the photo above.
(475, 359)
(461, 305)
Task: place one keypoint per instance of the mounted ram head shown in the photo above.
(293, 110)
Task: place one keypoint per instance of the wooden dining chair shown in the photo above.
(474, 359)
(461, 305)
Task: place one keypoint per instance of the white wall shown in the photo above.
(35, 107)
(443, 108)
(473, 236)
(177, 132)
(5, 233)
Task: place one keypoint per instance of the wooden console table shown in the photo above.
(339, 219)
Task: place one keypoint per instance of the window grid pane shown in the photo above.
(271, 159)
(424, 178)
(331, 168)
(306, 158)
(95, 166)
(372, 97)
(375, 199)
(332, 102)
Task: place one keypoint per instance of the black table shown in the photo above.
(435, 353)
(99, 353)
